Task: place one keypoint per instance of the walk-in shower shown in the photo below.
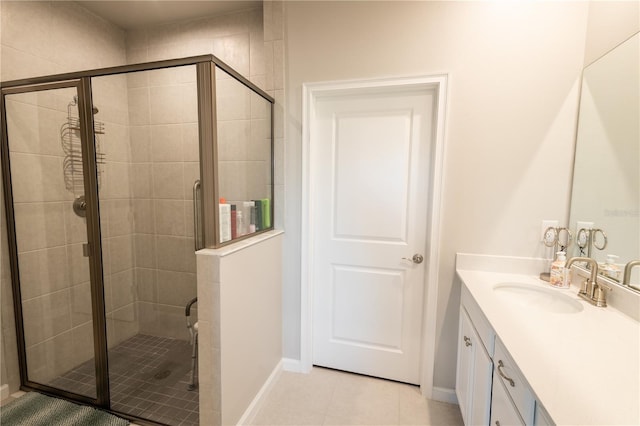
(112, 179)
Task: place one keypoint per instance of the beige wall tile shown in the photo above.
(51, 358)
(167, 180)
(233, 139)
(166, 143)
(20, 15)
(47, 316)
(81, 307)
(76, 226)
(170, 218)
(232, 100)
(123, 289)
(82, 338)
(260, 141)
(120, 218)
(171, 322)
(256, 53)
(19, 64)
(189, 106)
(43, 271)
(189, 255)
(125, 322)
(188, 218)
(140, 144)
(147, 318)
(165, 105)
(106, 256)
(236, 52)
(268, 65)
(37, 178)
(170, 253)
(39, 226)
(142, 180)
(143, 216)
(260, 107)
(146, 285)
(176, 288)
(145, 251)
(121, 249)
(114, 144)
(232, 177)
(278, 64)
(191, 174)
(33, 128)
(117, 180)
(137, 79)
(138, 99)
(190, 142)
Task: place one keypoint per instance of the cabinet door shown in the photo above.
(503, 412)
(464, 371)
(482, 379)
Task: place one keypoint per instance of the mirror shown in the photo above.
(606, 177)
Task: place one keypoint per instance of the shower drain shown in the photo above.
(162, 374)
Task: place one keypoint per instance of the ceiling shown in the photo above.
(131, 14)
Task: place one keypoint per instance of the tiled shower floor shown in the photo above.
(149, 377)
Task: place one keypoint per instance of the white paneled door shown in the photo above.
(371, 172)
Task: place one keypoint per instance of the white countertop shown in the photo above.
(584, 367)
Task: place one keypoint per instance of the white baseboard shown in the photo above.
(253, 408)
(292, 365)
(4, 392)
(444, 395)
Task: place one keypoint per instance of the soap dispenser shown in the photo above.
(558, 271)
(610, 269)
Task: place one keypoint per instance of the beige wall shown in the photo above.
(610, 23)
(514, 71)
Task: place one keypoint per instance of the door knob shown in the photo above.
(417, 258)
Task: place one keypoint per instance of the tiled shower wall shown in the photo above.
(164, 142)
(114, 192)
(41, 38)
(165, 165)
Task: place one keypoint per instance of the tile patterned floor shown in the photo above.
(330, 397)
(149, 377)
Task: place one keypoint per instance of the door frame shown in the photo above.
(311, 92)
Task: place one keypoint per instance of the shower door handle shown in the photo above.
(197, 232)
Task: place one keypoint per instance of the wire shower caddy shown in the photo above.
(72, 147)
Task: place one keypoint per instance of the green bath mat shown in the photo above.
(34, 409)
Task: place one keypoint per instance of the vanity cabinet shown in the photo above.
(490, 388)
(474, 368)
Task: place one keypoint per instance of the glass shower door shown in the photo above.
(52, 273)
(150, 147)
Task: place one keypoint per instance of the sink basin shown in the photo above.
(531, 296)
